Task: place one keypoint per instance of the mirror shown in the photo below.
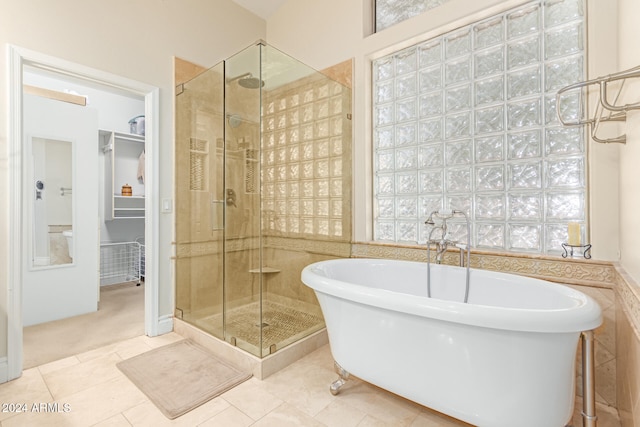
(52, 203)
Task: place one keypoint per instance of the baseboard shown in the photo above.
(4, 370)
(165, 324)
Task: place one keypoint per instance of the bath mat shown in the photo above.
(181, 376)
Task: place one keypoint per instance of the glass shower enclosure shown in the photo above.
(263, 184)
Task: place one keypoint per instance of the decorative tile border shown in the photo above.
(214, 247)
(556, 269)
(575, 272)
(629, 294)
(324, 247)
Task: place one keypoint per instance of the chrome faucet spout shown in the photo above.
(443, 243)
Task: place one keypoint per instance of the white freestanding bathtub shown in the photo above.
(505, 358)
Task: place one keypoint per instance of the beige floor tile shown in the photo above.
(130, 347)
(115, 421)
(430, 418)
(147, 414)
(134, 348)
(86, 408)
(380, 404)
(338, 414)
(369, 421)
(230, 417)
(47, 368)
(321, 357)
(287, 415)
(103, 401)
(67, 381)
(143, 414)
(30, 388)
(41, 419)
(252, 398)
(304, 385)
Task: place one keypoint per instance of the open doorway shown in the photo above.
(82, 145)
(23, 244)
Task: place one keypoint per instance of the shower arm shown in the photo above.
(241, 76)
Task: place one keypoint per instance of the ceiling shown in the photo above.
(262, 8)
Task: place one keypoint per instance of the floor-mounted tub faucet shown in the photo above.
(443, 243)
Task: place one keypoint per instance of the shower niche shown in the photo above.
(263, 188)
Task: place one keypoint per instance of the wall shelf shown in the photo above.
(264, 270)
(122, 151)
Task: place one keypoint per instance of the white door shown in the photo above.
(60, 192)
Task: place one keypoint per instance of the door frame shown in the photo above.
(17, 58)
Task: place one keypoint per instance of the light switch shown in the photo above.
(167, 205)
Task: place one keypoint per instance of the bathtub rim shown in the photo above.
(584, 315)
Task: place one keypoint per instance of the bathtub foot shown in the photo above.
(335, 386)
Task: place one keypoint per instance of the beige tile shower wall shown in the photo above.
(198, 165)
(198, 173)
(183, 71)
(628, 335)
(287, 283)
(290, 256)
(342, 73)
(605, 347)
(199, 278)
(243, 286)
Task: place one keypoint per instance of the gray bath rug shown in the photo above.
(181, 376)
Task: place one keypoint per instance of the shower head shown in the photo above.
(247, 80)
(251, 82)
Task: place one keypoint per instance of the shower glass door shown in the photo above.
(200, 199)
(243, 212)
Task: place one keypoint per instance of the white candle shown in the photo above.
(573, 230)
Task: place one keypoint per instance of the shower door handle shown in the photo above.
(231, 197)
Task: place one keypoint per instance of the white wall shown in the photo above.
(114, 112)
(134, 39)
(114, 109)
(324, 33)
(629, 56)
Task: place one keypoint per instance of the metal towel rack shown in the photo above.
(605, 110)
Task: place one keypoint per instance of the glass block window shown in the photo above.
(468, 121)
(389, 12)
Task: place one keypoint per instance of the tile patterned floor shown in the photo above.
(96, 393)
